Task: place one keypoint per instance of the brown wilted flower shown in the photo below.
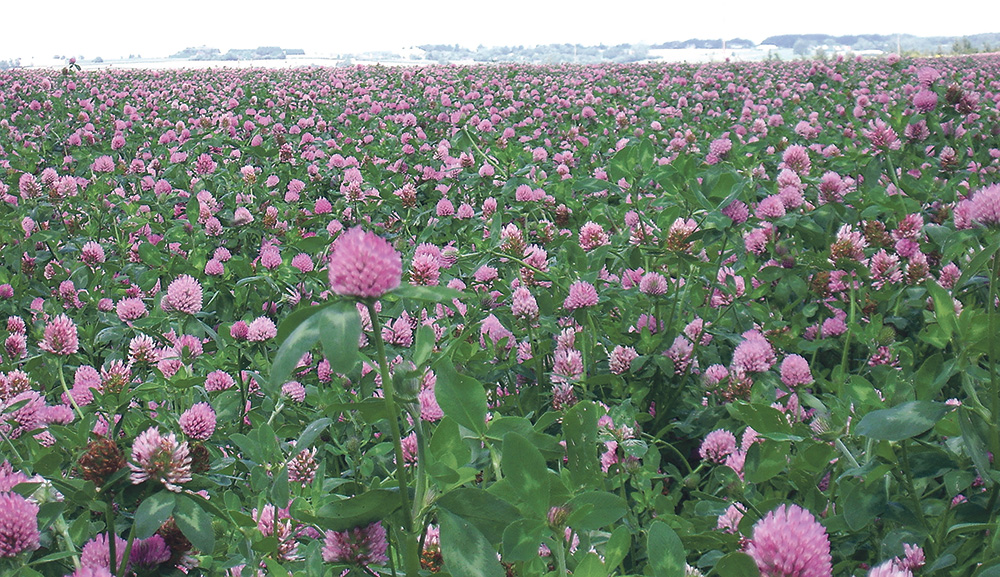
(102, 459)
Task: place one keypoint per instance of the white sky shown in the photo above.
(116, 28)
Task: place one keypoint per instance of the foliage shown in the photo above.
(641, 307)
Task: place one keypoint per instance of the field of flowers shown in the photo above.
(665, 320)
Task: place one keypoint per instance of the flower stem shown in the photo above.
(63, 529)
(244, 391)
(536, 353)
(494, 162)
(895, 181)
(276, 411)
(847, 453)
(62, 381)
(109, 513)
(559, 551)
(918, 508)
(850, 329)
(994, 355)
(411, 557)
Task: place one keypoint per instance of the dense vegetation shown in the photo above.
(732, 319)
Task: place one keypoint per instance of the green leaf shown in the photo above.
(595, 509)
(665, 552)
(761, 418)
(591, 566)
(194, 523)
(978, 264)
(54, 557)
(862, 505)
(944, 308)
(500, 426)
(460, 397)
(275, 568)
(152, 513)
(339, 331)
(279, 489)
(448, 446)
(423, 345)
(434, 294)
(465, 550)
(49, 512)
(363, 509)
(312, 431)
(522, 538)
(617, 548)
(371, 410)
(737, 564)
(524, 466)
(902, 421)
(942, 562)
(266, 546)
(490, 514)
(294, 319)
(765, 460)
(312, 244)
(303, 338)
(622, 164)
(150, 255)
(580, 427)
(590, 185)
(975, 444)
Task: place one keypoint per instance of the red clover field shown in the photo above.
(672, 320)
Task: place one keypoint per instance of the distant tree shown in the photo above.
(962, 46)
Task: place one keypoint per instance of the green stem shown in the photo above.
(243, 390)
(850, 329)
(694, 472)
(13, 449)
(63, 529)
(520, 262)
(847, 453)
(411, 557)
(494, 162)
(109, 513)
(994, 354)
(680, 456)
(421, 478)
(910, 489)
(895, 181)
(656, 312)
(536, 353)
(495, 463)
(62, 381)
(722, 255)
(128, 551)
(585, 353)
(593, 331)
(673, 310)
(276, 411)
(559, 551)
(993, 500)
